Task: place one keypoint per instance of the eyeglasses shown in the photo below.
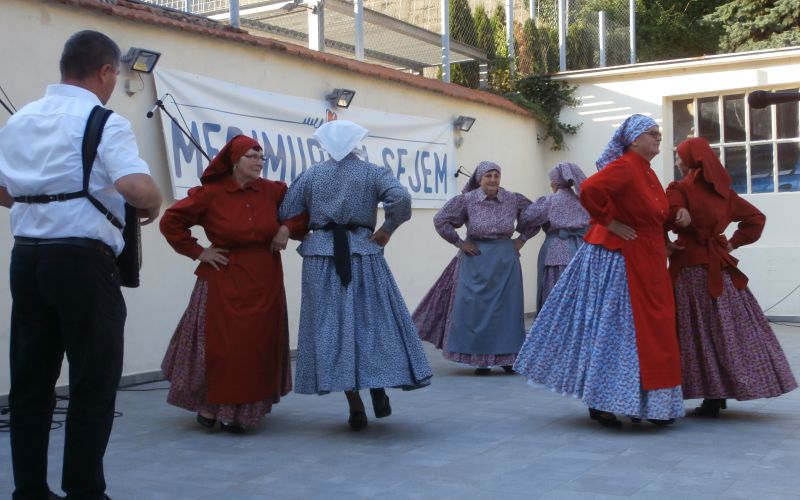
(255, 156)
(654, 134)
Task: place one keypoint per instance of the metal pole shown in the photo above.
(358, 10)
(510, 34)
(445, 5)
(532, 8)
(233, 13)
(601, 31)
(562, 36)
(632, 35)
(316, 27)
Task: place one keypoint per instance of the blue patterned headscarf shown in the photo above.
(474, 181)
(565, 175)
(631, 128)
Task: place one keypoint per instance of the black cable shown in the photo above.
(61, 411)
(784, 298)
(179, 110)
(9, 101)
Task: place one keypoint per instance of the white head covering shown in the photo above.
(340, 137)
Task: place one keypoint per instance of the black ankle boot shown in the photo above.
(604, 418)
(357, 420)
(380, 403)
(710, 408)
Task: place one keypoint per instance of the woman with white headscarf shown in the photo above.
(474, 311)
(564, 221)
(355, 329)
(606, 333)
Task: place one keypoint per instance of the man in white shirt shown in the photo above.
(64, 280)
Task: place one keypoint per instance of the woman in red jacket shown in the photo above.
(228, 359)
(728, 349)
(606, 333)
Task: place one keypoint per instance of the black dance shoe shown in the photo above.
(604, 418)
(206, 422)
(232, 428)
(483, 371)
(710, 408)
(659, 422)
(380, 403)
(357, 420)
(53, 496)
(508, 369)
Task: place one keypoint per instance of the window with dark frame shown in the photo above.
(759, 147)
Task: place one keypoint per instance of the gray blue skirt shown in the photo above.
(356, 337)
(488, 315)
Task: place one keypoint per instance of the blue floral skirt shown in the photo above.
(583, 342)
(356, 337)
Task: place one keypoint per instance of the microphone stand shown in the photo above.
(160, 105)
(462, 171)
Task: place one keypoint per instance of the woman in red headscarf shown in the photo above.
(228, 359)
(728, 349)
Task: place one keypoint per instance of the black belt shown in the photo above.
(341, 248)
(49, 198)
(75, 242)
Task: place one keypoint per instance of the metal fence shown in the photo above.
(485, 48)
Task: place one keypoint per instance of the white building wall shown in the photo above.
(416, 254)
(609, 96)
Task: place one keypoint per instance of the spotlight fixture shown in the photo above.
(141, 60)
(341, 98)
(464, 123)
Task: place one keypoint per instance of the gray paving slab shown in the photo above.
(464, 437)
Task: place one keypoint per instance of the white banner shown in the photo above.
(420, 151)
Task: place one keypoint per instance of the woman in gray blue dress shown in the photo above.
(355, 329)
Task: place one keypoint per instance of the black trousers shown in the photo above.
(64, 299)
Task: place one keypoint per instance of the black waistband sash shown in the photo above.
(341, 249)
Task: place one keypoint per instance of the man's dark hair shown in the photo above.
(87, 51)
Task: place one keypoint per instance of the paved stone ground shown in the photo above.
(463, 437)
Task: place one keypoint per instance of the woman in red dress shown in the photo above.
(728, 349)
(228, 359)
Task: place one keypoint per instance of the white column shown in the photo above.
(445, 5)
(562, 35)
(188, 6)
(233, 13)
(510, 33)
(358, 10)
(601, 32)
(316, 27)
(532, 9)
(632, 9)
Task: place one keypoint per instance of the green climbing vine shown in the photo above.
(545, 98)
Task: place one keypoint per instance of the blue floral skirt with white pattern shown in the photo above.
(356, 337)
(583, 342)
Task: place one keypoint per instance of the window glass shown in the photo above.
(762, 180)
(736, 163)
(733, 118)
(761, 124)
(682, 120)
(708, 118)
(789, 167)
(787, 119)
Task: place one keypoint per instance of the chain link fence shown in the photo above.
(480, 54)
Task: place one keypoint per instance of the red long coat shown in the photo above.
(246, 331)
(703, 239)
(628, 190)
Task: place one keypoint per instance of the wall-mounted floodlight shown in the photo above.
(464, 123)
(341, 98)
(142, 60)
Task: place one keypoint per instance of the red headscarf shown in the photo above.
(696, 153)
(222, 164)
